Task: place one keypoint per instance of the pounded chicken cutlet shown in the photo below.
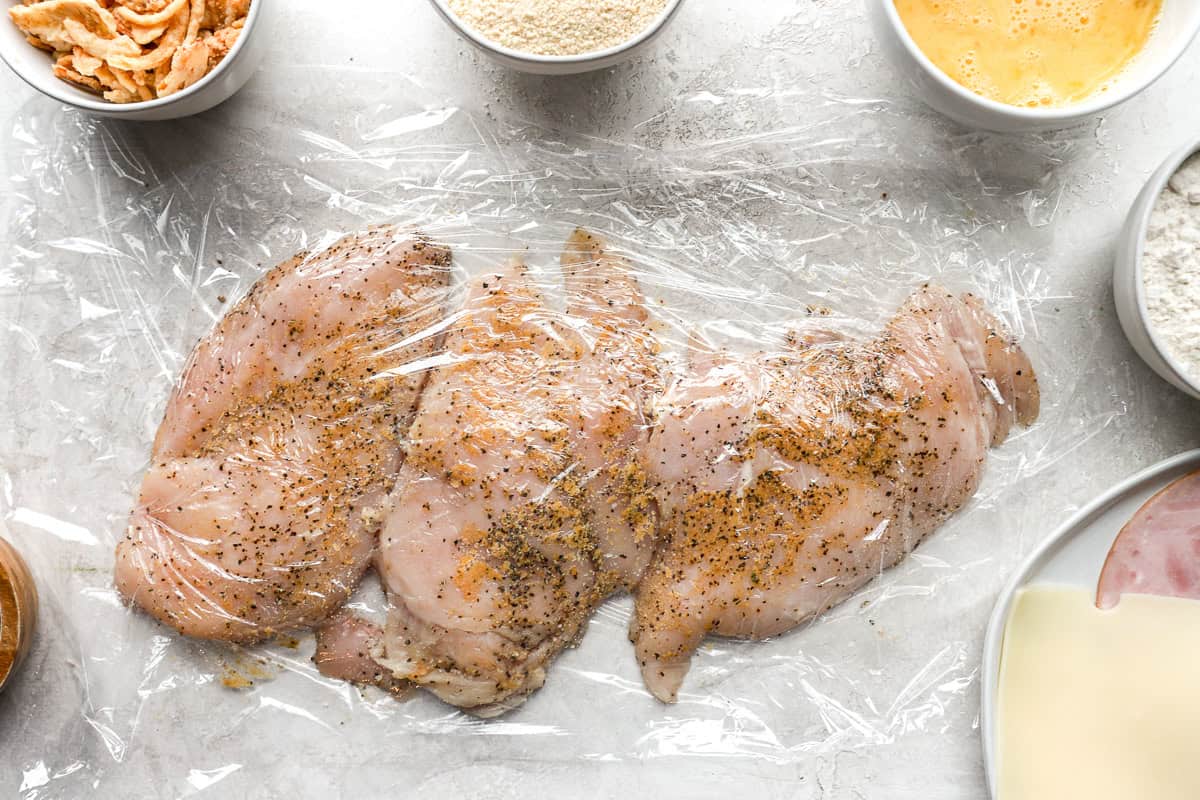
(520, 507)
(257, 514)
(786, 483)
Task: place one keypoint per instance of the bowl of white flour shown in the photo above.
(1156, 279)
(558, 37)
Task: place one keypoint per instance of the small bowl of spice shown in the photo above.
(18, 611)
(558, 37)
(1156, 280)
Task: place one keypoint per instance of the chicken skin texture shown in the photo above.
(258, 513)
(520, 507)
(786, 482)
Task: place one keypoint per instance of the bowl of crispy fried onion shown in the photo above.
(136, 59)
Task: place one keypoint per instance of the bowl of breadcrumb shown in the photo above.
(136, 59)
(558, 37)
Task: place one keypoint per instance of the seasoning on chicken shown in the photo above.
(259, 511)
(787, 482)
(520, 507)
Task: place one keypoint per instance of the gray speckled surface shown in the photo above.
(115, 239)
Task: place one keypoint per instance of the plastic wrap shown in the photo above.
(750, 203)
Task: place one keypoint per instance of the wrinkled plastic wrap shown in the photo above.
(755, 194)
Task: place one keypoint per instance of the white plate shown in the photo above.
(1073, 556)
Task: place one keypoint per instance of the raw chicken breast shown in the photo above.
(1158, 550)
(257, 513)
(606, 307)
(520, 507)
(785, 483)
(347, 649)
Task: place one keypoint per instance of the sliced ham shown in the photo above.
(1158, 550)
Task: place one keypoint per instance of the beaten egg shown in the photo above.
(1033, 53)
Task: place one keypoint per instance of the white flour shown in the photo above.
(1171, 266)
(558, 27)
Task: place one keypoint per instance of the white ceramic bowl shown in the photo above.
(1129, 288)
(34, 67)
(559, 65)
(1177, 27)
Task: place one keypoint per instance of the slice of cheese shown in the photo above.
(1099, 704)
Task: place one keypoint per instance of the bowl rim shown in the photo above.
(118, 109)
(1154, 188)
(1055, 114)
(651, 30)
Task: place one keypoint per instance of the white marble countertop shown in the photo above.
(66, 724)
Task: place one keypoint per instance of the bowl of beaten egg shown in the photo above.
(1025, 65)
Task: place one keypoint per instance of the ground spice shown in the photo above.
(558, 27)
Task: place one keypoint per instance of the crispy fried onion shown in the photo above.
(153, 19)
(132, 50)
(59, 22)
